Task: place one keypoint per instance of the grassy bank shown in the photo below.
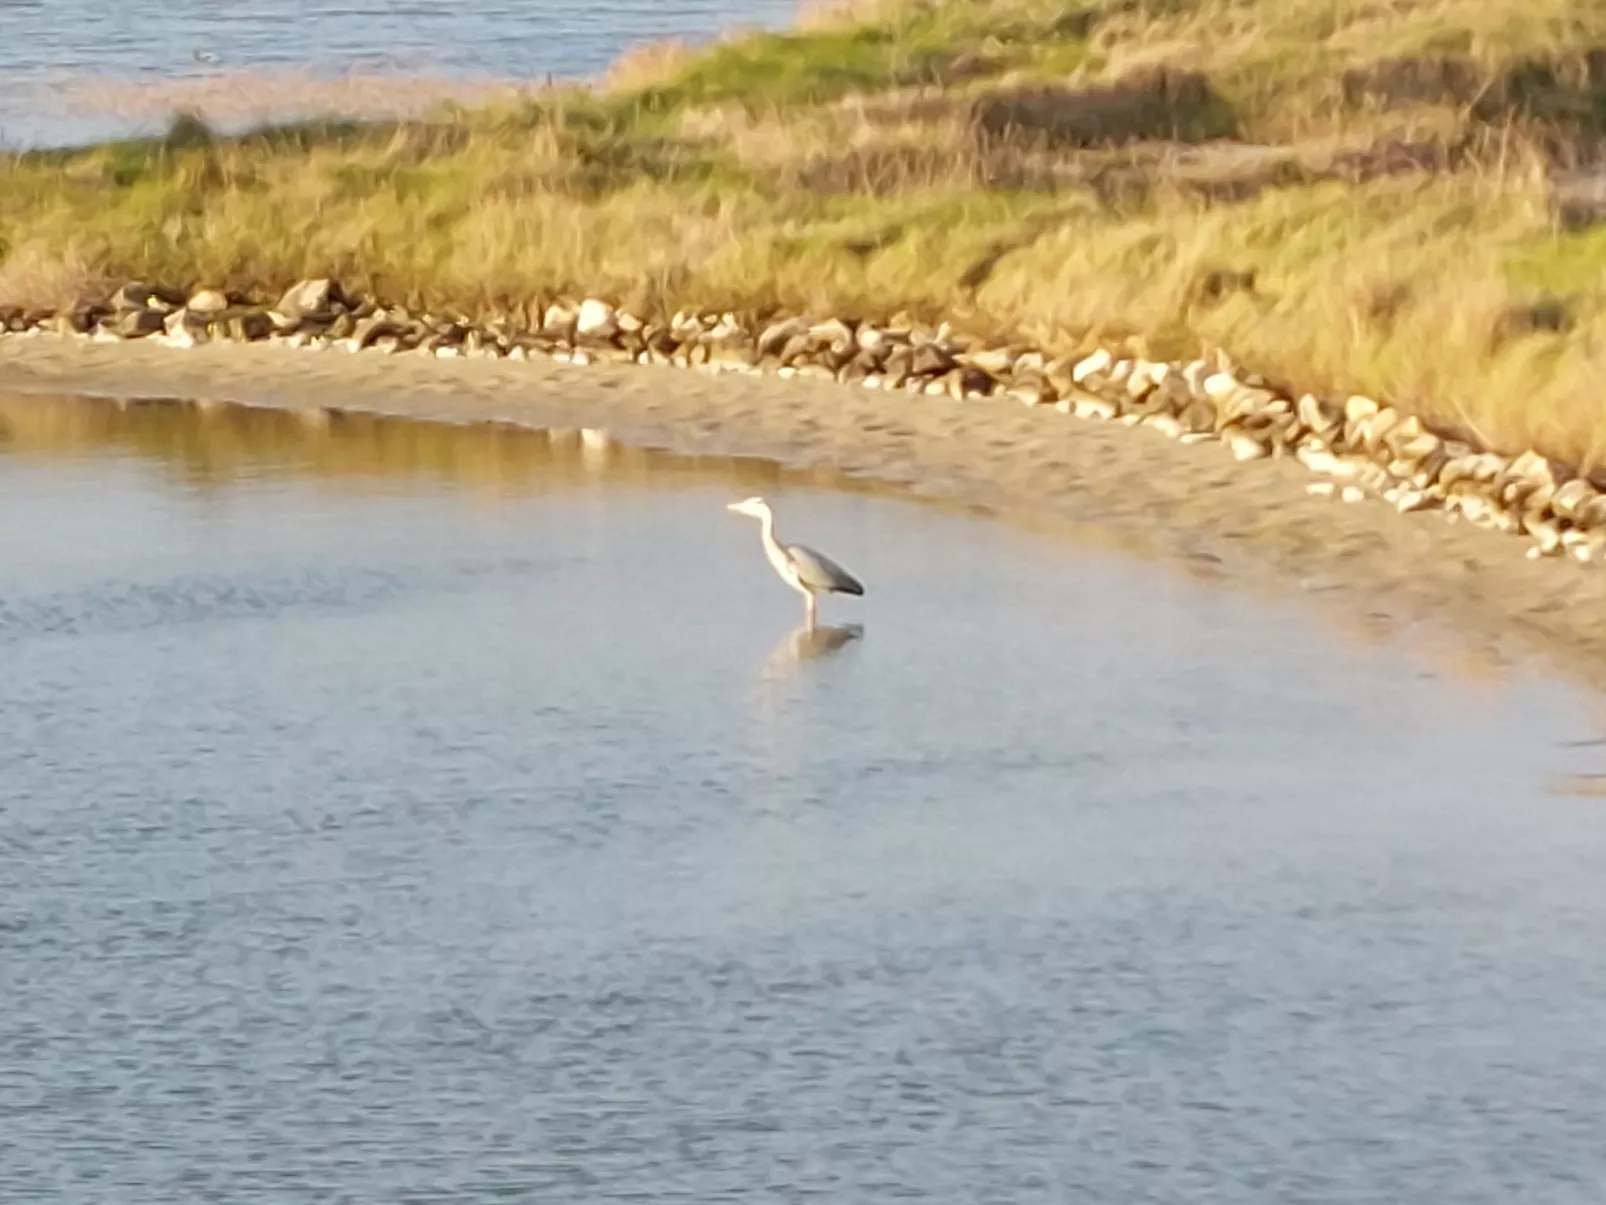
(1349, 196)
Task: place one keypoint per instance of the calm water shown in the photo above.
(63, 62)
(394, 813)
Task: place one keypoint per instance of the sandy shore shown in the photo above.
(1192, 506)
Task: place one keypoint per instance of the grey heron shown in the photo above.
(808, 572)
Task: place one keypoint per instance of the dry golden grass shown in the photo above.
(1350, 197)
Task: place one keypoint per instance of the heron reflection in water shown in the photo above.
(808, 572)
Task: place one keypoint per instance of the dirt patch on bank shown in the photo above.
(1195, 507)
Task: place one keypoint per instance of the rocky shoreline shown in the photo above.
(1358, 449)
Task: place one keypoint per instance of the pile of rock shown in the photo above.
(1361, 448)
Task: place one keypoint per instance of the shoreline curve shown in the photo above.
(1192, 506)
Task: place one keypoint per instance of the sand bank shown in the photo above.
(1192, 506)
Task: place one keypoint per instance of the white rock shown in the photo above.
(1318, 460)
(1219, 386)
(208, 301)
(1194, 374)
(1358, 407)
(1165, 424)
(596, 320)
(1246, 447)
(1099, 361)
(997, 361)
(1352, 493)
(558, 319)
(1546, 534)
(1321, 489)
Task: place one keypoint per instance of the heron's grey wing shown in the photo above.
(820, 572)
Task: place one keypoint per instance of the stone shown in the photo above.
(930, 359)
(136, 324)
(852, 373)
(184, 328)
(728, 329)
(1481, 467)
(595, 321)
(1149, 402)
(370, 330)
(834, 334)
(1371, 476)
(1352, 493)
(996, 362)
(1243, 402)
(1029, 388)
(1546, 534)
(1319, 417)
(1357, 407)
(872, 339)
(1219, 386)
(1570, 497)
(1099, 361)
(1382, 424)
(558, 322)
(1417, 447)
(1530, 466)
(1245, 446)
(793, 350)
(1591, 513)
(247, 326)
(1198, 417)
(898, 367)
(208, 302)
(306, 297)
(777, 335)
(1537, 501)
(975, 382)
(137, 295)
(1165, 424)
(1193, 376)
(343, 326)
(1087, 405)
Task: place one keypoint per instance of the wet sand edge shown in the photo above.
(1192, 506)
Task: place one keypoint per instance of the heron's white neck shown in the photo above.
(766, 528)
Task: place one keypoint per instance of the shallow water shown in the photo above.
(65, 64)
(392, 812)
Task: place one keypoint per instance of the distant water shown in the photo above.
(74, 70)
(402, 814)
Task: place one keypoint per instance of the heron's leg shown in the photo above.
(809, 611)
